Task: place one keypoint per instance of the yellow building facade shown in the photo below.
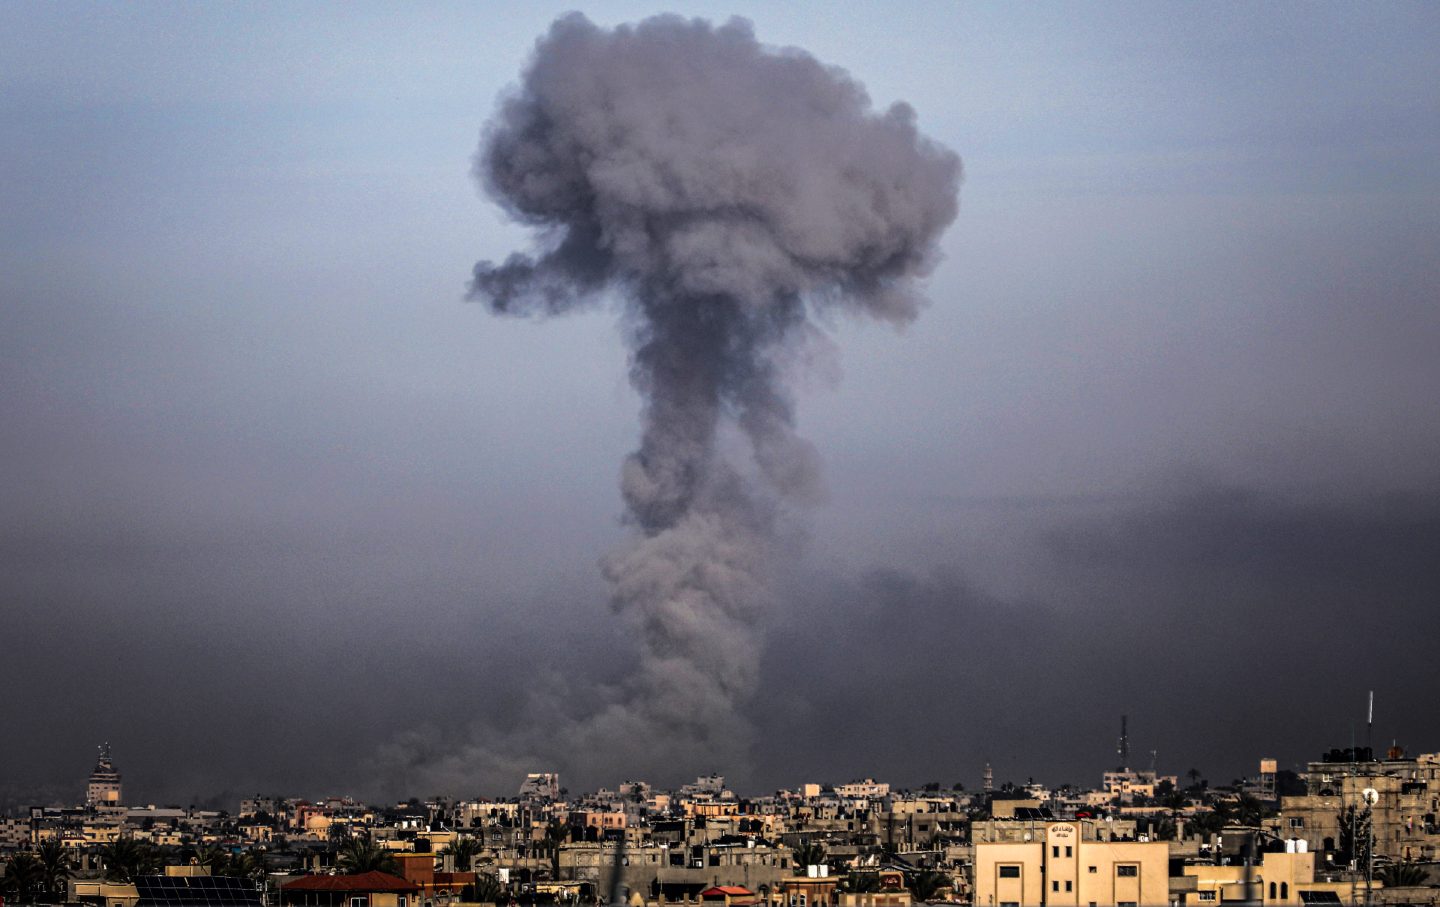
(1065, 866)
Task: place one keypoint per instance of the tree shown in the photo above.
(1250, 810)
(126, 858)
(862, 882)
(1355, 834)
(464, 849)
(362, 854)
(214, 858)
(925, 886)
(55, 869)
(486, 889)
(1402, 875)
(808, 854)
(249, 865)
(24, 877)
(1206, 824)
(1194, 776)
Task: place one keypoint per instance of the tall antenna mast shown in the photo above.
(1124, 747)
(1370, 722)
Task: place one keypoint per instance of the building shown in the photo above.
(1067, 865)
(104, 787)
(868, 789)
(540, 786)
(1406, 802)
(367, 889)
(1289, 879)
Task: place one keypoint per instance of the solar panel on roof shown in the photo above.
(195, 891)
(1319, 897)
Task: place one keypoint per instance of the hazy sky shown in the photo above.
(278, 504)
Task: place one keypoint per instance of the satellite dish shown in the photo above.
(1371, 795)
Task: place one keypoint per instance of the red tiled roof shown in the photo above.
(365, 881)
(734, 891)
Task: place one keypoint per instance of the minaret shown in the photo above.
(988, 785)
(104, 787)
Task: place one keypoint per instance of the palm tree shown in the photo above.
(464, 849)
(924, 886)
(486, 889)
(55, 869)
(862, 882)
(214, 858)
(362, 854)
(126, 858)
(808, 854)
(1402, 875)
(24, 877)
(249, 865)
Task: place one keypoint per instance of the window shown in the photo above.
(1055, 850)
(358, 902)
(1009, 904)
(1272, 891)
(1092, 869)
(1069, 851)
(1125, 904)
(1010, 871)
(1205, 895)
(1284, 891)
(1069, 885)
(1054, 886)
(1127, 870)
(1297, 821)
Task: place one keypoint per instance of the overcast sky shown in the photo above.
(277, 501)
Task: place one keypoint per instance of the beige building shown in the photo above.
(1407, 801)
(104, 787)
(1067, 866)
(1287, 879)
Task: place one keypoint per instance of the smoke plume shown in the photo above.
(722, 192)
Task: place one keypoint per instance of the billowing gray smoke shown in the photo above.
(720, 190)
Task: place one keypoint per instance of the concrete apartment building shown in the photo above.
(1068, 865)
(103, 789)
(1289, 878)
(1405, 815)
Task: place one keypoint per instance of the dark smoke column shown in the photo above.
(721, 190)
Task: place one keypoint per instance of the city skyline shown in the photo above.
(282, 509)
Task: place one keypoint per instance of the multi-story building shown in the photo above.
(104, 787)
(1402, 796)
(1068, 866)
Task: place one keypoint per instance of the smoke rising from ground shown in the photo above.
(721, 190)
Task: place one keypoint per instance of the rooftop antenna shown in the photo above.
(1124, 747)
(1370, 720)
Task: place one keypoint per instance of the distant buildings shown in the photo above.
(1349, 830)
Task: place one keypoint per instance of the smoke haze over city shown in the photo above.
(1149, 428)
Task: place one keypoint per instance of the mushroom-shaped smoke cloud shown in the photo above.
(721, 190)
